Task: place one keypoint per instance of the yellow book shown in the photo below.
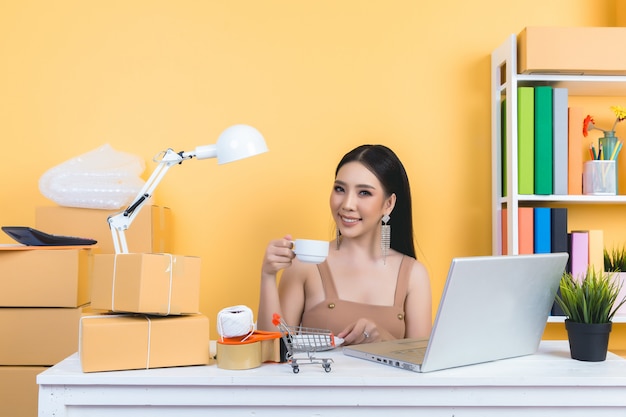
(596, 249)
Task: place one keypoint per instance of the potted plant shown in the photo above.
(589, 302)
(615, 259)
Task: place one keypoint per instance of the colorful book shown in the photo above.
(596, 249)
(504, 232)
(526, 230)
(558, 229)
(526, 140)
(558, 240)
(503, 136)
(542, 230)
(543, 160)
(578, 253)
(559, 141)
(575, 151)
(525, 224)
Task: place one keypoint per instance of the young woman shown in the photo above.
(371, 287)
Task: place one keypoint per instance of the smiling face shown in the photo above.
(358, 201)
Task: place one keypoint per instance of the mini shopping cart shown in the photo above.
(307, 340)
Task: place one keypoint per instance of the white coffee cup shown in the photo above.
(311, 251)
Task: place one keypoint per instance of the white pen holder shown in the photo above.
(599, 178)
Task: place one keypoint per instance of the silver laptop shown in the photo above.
(492, 307)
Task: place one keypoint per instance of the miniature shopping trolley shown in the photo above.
(307, 340)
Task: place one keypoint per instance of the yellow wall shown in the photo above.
(316, 78)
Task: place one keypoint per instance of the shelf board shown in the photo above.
(579, 85)
(580, 199)
(561, 319)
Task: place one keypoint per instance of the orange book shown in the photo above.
(575, 151)
(525, 232)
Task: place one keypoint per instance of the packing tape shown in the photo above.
(236, 353)
(243, 356)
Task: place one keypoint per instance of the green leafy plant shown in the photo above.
(615, 259)
(592, 298)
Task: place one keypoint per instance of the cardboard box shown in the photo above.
(118, 342)
(20, 392)
(38, 336)
(146, 283)
(44, 276)
(149, 233)
(571, 50)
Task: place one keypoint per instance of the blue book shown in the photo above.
(542, 230)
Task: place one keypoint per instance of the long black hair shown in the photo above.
(386, 166)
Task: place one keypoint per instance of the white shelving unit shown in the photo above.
(504, 83)
(561, 319)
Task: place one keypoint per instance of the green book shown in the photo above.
(543, 139)
(526, 140)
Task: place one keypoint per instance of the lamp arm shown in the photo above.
(120, 222)
(236, 142)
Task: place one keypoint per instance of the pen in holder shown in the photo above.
(599, 177)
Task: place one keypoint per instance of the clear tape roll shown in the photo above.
(235, 321)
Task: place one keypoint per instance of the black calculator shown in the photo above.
(33, 237)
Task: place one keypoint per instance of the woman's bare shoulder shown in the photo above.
(419, 273)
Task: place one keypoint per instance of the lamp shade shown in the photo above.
(238, 142)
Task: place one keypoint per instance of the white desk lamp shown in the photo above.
(236, 142)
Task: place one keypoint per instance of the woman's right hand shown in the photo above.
(278, 255)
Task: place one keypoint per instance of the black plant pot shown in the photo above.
(588, 342)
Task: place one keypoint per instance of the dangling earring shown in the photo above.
(385, 237)
(338, 238)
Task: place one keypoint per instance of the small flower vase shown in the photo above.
(608, 144)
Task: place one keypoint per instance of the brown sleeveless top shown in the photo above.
(336, 314)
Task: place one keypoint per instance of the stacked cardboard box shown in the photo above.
(145, 304)
(152, 321)
(42, 294)
(45, 291)
(150, 231)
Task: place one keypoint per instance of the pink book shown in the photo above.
(579, 253)
(504, 230)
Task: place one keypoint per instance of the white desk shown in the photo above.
(548, 383)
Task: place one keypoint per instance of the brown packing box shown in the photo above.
(150, 231)
(119, 342)
(38, 336)
(44, 276)
(146, 283)
(19, 390)
(571, 50)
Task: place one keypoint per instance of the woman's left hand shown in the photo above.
(363, 331)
